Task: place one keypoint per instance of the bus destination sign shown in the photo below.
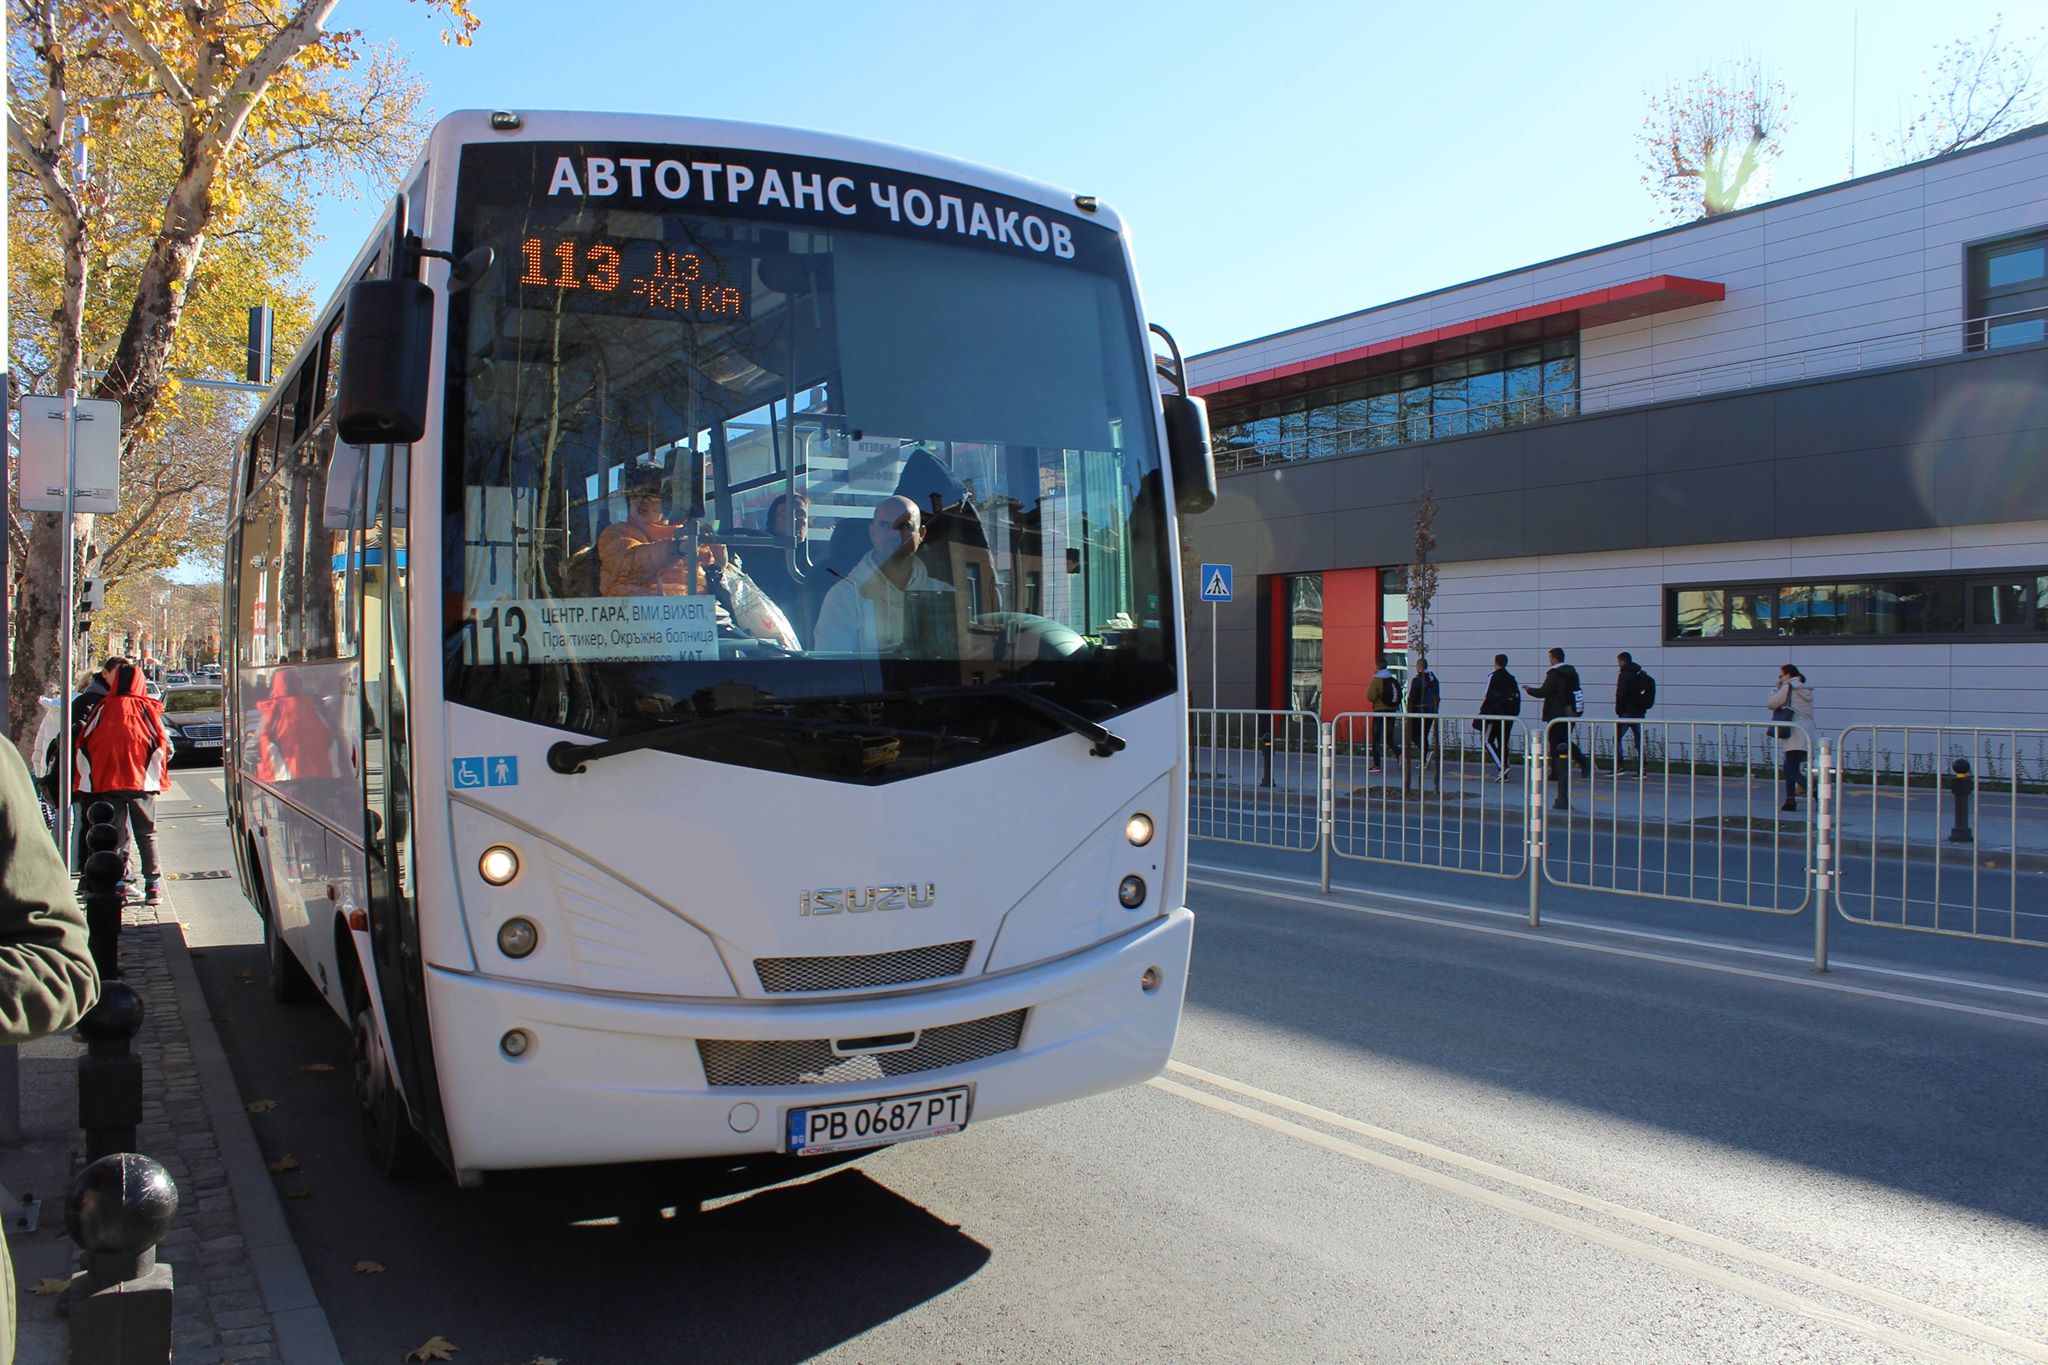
(634, 275)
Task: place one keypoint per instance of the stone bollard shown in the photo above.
(101, 887)
(120, 1304)
(1962, 786)
(109, 1075)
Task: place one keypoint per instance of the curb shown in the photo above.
(298, 1322)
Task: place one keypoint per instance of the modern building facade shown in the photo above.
(1814, 431)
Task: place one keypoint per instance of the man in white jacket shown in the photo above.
(865, 611)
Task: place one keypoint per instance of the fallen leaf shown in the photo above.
(437, 1348)
(261, 1106)
(48, 1286)
(317, 1066)
(303, 1192)
(287, 1162)
(369, 1267)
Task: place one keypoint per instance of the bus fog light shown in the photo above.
(516, 1043)
(1138, 829)
(498, 865)
(518, 937)
(1131, 891)
(1149, 982)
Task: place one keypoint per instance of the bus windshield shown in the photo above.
(709, 457)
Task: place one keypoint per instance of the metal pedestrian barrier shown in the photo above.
(1927, 835)
(1693, 811)
(1430, 790)
(1258, 778)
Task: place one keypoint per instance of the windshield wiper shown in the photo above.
(1104, 742)
(566, 756)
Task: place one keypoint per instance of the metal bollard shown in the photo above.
(1266, 760)
(101, 890)
(110, 1075)
(1962, 786)
(120, 1304)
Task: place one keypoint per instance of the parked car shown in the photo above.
(176, 679)
(192, 714)
(154, 688)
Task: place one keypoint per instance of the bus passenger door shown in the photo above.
(388, 793)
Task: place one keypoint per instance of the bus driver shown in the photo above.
(865, 611)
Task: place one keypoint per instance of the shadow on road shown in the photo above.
(607, 1264)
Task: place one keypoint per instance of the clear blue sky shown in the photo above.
(1280, 161)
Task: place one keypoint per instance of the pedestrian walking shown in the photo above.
(1383, 695)
(1503, 698)
(1562, 700)
(1791, 703)
(1635, 692)
(1425, 699)
(123, 754)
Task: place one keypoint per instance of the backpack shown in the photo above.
(1645, 691)
(1377, 693)
(1431, 695)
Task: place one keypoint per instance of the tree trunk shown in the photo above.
(39, 629)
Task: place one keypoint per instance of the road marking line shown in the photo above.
(1725, 969)
(1614, 1241)
(1623, 931)
(1650, 1222)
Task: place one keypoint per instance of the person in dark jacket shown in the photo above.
(47, 979)
(123, 754)
(1559, 694)
(1425, 700)
(1634, 695)
(1503, 698)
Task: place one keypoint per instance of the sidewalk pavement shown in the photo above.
(242, 1293)
(1883, 817)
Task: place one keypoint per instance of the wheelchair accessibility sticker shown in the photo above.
(501, 770)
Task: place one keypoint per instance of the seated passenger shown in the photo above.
(770, 569)
(866, 611)
(644, 556)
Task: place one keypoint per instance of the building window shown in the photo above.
(2009, 292)
(2007, 603)
(1305, 642)
(1502, 387)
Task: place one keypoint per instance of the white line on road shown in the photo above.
(1529, 936)
(1577, 1227)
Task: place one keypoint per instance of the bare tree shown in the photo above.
(1981, 89)
(1421, 577)
(1708, 141)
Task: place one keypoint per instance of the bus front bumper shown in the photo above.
(608, 1079)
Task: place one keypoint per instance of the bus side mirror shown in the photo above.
(386, 344)
(1188, 454)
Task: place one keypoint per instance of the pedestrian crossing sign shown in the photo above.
(1216, 582)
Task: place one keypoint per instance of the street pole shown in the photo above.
(1215, 697)
(70, 588)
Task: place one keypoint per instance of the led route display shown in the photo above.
(634, 275)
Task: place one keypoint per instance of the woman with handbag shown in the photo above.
(1792, 707)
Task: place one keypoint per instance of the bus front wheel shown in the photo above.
(396, 1150)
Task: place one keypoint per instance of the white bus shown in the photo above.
(706, 669)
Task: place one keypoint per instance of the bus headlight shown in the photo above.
(498, 865)
(1138, 829)
(518, 937)
(1130, 892)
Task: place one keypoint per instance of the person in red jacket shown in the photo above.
(123, 753)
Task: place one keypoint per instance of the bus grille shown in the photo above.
(779, 974)
(811, 1061)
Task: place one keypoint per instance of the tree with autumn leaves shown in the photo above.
(210, 125)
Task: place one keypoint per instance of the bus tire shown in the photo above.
(395, 1148)
(289, 982)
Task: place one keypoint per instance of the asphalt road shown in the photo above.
(1394, 1130)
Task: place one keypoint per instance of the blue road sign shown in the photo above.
(1216, 582)
(469, 772)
